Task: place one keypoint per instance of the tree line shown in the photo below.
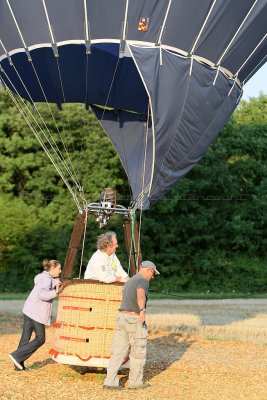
(208, 233)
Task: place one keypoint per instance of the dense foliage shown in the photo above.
(209, 233)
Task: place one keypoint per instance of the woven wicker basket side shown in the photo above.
(85, 343)
(86, 319)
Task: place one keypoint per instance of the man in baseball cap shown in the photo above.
(151, 265)
(130, 337)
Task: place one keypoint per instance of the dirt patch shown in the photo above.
(178, 367)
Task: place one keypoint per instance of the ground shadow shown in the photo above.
(41, 364)
(88, 370)
(162, 352)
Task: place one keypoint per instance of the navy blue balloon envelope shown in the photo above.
(162, 76)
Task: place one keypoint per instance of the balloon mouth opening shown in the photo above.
(102, 77)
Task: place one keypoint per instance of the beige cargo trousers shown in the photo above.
(130, 339)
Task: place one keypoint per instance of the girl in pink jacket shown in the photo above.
(37, 312)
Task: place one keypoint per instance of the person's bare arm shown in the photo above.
(141, 301)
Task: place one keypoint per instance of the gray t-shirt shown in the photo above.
(129, 296)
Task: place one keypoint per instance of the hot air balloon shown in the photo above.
(161, 76)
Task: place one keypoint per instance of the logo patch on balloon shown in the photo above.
(143, 24)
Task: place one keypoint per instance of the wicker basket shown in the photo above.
(86, 322)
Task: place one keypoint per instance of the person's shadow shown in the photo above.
(162, 352)
(41, 364)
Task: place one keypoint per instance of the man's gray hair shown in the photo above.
(105, 240)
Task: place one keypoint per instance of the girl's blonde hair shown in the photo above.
(49, 264)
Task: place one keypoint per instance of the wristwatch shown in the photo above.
(142, 309)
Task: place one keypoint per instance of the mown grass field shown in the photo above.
(197, 350)
(229, 319)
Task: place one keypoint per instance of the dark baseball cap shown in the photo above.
(150, 265)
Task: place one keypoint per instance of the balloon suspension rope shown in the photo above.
(143, 185)
(132, 245)
(84, 235)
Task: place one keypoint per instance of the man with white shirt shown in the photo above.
(104, 265)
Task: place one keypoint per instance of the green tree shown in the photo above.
(31, 187)
(208, 233)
